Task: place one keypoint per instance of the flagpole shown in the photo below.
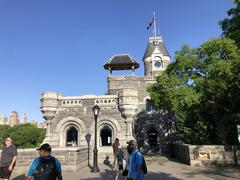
(154, 25)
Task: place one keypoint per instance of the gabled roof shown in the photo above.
(121, 62)
(159, 45)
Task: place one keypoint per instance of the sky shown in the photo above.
(62, 45)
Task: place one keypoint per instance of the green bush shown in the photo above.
(24, 136)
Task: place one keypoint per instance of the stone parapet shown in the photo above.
(206, 155)
(72, 159)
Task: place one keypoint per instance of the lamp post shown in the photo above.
(95, 168)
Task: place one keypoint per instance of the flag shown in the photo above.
(150, 24)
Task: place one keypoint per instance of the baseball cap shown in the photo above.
(134, 142)
(45, 147)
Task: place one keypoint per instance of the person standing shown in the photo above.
(135, 162)
(120, 157)
(45, 167)
(115, 149)
(8, 159)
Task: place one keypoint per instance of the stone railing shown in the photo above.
(149, 78)
(72, 159)
(78, 101)
(106, 101)
(71, 102)
(205, 155)
(123, 78)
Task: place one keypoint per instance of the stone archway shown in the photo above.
(106, 121)
(63, 127)
(72, 136)
(106, 135)
(152, 137)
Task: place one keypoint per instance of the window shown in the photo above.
(149, 106)
(106, 136)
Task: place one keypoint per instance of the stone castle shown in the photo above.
(126, 111)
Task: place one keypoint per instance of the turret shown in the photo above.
(128, 106)
(156, 57)
(49, 105)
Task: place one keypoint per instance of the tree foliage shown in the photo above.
(231, 25)
(24, 136)
(202, 88)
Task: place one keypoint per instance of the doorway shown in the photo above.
(153, 139)
(72, 137)
(106, 136)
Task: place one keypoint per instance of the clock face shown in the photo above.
(155, 43)
(157, 64)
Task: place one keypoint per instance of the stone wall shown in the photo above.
(116, 83)
(181, 152)
(206, 155)
(72, 159)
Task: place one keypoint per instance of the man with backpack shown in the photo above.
(45, 167)
(137, 165)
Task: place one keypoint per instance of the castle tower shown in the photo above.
(14, 118)
(156, 57)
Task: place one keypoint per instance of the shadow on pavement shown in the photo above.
(151, 176)
(213, 172)
(20, 177)
(110, 174)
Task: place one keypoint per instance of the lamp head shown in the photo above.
(96, 110)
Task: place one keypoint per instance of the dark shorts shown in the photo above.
(120, 167)
(5, 173)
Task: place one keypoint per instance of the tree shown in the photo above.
(24, 136)
(231, 25)
(202, 88)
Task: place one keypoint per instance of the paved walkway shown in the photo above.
(159, 167)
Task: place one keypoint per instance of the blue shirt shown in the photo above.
(36, 162)
(135, 162)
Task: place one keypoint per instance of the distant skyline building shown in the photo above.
(2, 119)
(13, 120)
(24, 118)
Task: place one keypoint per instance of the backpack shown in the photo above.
(144, 165)
(46, 170)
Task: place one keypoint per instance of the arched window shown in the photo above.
(106, 136)
(72, 136)
(149, 106)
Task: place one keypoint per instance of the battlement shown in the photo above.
(130, 77)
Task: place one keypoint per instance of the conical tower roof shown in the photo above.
(155, 44)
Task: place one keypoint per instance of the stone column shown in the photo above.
(128, 105)
(49, 105)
